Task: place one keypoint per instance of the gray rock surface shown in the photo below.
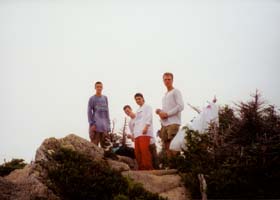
(167, 183)
(8, 190)
(30, 183)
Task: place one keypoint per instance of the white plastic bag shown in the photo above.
(209, 114)
(178, 142)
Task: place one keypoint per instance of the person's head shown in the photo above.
(98, 87)
(168, 80)
(139, 99)
(128, 110)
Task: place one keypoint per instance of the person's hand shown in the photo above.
(163, 115)
(158, 111)
(93, 128)
(130, 136)
(106, 134)
(145, 130)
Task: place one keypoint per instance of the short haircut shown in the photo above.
(127, 106)
(97, 83)
(168, 74)
(138, 95)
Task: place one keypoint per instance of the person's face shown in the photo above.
(99, 88)
(139, 101)
(168, 81)
(128, 111)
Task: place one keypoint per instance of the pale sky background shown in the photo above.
(51, 53)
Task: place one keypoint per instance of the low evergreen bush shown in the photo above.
(75, 176)
(8, 167)
(240, 158)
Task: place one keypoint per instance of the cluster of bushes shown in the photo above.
(75, 176)
(240, 158)
(8, 167)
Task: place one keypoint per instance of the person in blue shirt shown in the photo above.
(98, 116)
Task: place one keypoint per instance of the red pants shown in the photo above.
(142, 153)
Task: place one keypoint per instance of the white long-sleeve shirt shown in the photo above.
(131, 124)
(173, 105)
(144, 116)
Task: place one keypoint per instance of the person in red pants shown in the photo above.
(152, 147)
(143, 132)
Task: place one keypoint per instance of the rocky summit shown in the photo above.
(31, 182)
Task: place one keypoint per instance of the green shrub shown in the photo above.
(8, 167)
(240, 159)
(75, 176)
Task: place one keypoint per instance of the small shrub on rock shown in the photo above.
(75, 176)
(8, 167)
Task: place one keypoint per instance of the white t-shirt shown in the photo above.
(144, 116)
(131, 124)
(173, 105)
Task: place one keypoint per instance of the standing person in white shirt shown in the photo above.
(152, 147)
(143, 132)
(170, 114)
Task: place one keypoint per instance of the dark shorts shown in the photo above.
(98, 137)
(167, 133)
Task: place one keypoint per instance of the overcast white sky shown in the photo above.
(51, 53)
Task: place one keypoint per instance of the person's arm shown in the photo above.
(148, 118)
(131, 127)
(179, 104)
(90, 113)
(108, 115)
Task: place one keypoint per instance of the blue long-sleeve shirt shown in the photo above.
(98, 113)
